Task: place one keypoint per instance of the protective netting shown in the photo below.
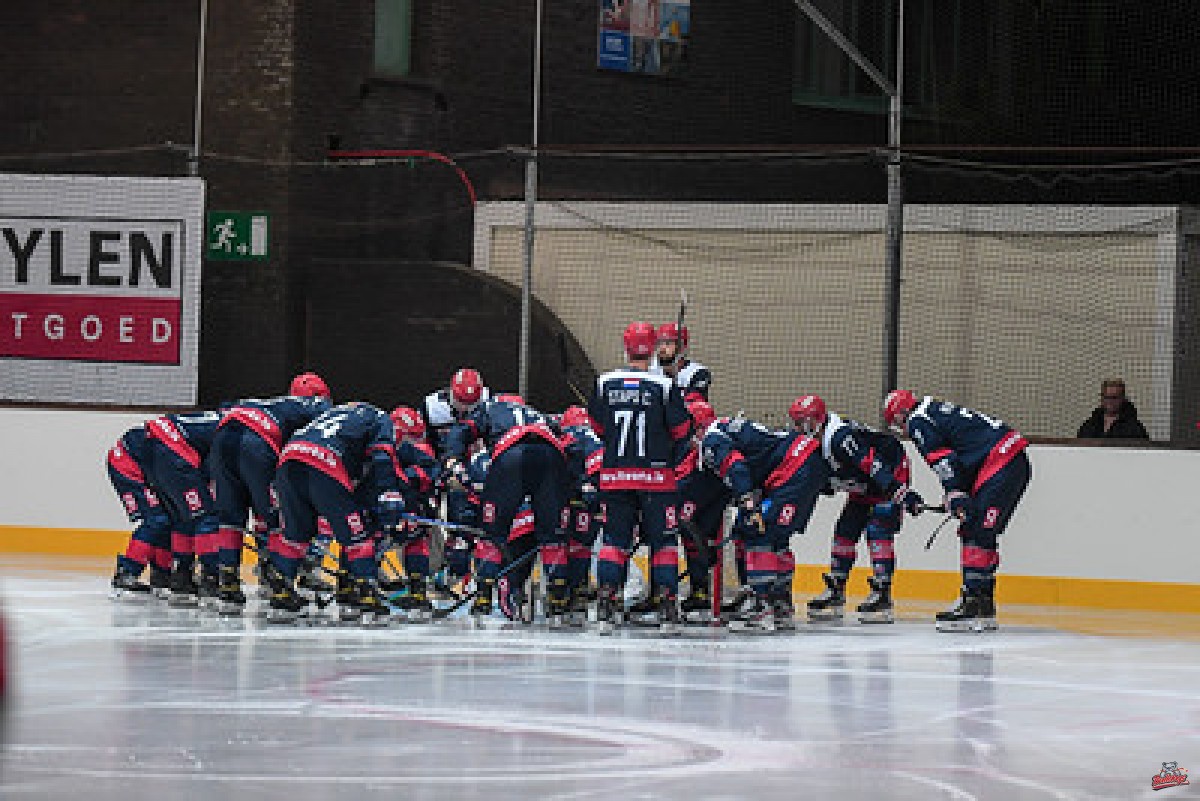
(1017, 310)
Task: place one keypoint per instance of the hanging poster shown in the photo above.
(646, 36)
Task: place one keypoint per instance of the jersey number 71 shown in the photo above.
(626, 420)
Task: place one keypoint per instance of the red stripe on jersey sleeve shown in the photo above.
(936, 456)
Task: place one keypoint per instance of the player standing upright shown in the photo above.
(640, 416)
(872, 467)
(693, 379)
(982, 465)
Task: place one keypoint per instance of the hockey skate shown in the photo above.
(230, 598)
(182, 589)
(368, 602)
(609, 614)
(312, 586)
(668, 612)
(345, 596)
(206, 589)
(127, 586)
(754, 616)
(160, 583)
(878, 606)
(481, 605)
(784, 612)
(697, 607)
(415, 606)
(974, 611)
(643, 612)
(285, 605)
(829, 605)
(558, 603)
(738, 599)
(577, 611)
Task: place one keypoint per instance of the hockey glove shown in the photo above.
(914, 504)
(388, 510)
(750, 512)
(884, 510)
(957, 502)
(588, 494)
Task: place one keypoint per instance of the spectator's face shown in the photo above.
(1111, 399)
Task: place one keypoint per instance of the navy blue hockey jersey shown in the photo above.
(349, 443)
(190, 436)
(964, 447)
(275, 419)
(748, 455)
(639, 416)
(866, 462)
(500, 424)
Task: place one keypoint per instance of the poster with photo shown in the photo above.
(644, 36)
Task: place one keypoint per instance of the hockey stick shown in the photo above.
(441, 614)
(933, 536)
(444, 524)
(565, 360)
(683, 302)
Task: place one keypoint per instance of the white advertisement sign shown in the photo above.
(100, 288)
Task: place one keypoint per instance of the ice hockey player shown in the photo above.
(175, 454)
(640, 417)
(150, 542)
(526, 461)
(421, 472)
(585, 456)
(318, 469)
(984, 469)
(245, 450)
(702, 501)
(872, 468)
(445, 407)
(787, 467)
(693, 379)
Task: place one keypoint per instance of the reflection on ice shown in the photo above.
(178, 705)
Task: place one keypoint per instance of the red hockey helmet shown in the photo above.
(672, 332)
(639, 340)
(575, 416)
(408, 423)
(703, 413)
(309, 385)
(466, 387)
(896, 407)
(511, 397)
(808, 413)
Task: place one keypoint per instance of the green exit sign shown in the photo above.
(237, 236)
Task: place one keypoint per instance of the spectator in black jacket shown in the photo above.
(1115, 417)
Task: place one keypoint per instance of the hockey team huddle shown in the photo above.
(647, 463)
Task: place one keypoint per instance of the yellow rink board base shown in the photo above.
(923, 585)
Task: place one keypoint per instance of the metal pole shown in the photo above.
(194, 158)
(894, 232)
(530, 206)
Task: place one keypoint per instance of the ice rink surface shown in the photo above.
(119, 701)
